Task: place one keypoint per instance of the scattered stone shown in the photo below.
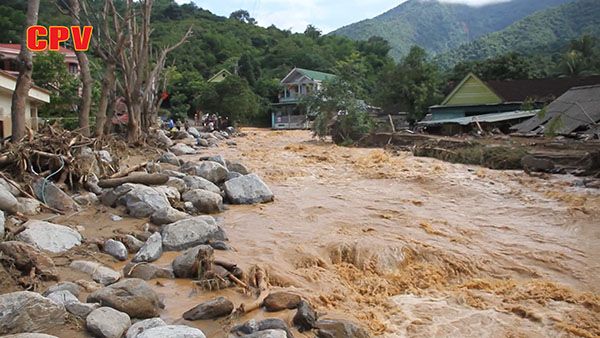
(26, 311)
(146, 271)
(163, 139)
(62, 297)
(136, 329)
(274, 324)
(8, 202)
(182, 264)
(112, 196)
(53, 196)
(329, 328)
(171, 193)
(116, 218)
(203, 143)
(188, 233)
(132, 244)
(26, 257)
(49, 237)
(267, 334)
(248, 189)
(217, 158)
(91, 184)
(212, 309)
(107, 322)
(86, 199)
(132, 296)
(81, 310)
(104, 156)
(167, 216)
(143, 201)
(237, 167)
(220, 245)
(116, 249)
(182, 149)
(212, 171)
(29, 206)
(88, 285)
(232, 175)
(231, 143)
(10, 186)
(97, 271)
(153, 168)
(151, 251)
(305, 318)
(177, 183)
(196, 182)
(172, 331)
(194, 132)
(73, 288)
(279, 301)
(189, 208)
(204, 201)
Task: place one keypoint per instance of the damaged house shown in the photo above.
(485, 105)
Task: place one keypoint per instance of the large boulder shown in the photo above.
(182, 264)
(182, 149)
(171, 192)
(212, 309)
(143, 201)
(146, 271)
(188, 233)
(212, 171)
(237, 167)
(196, 182)
(151, 251)
(168, 215)
(116, 249)
(204, 201)
(107, 322)
(50, 237)
(162, 138)
(99, 273)
(26, 311)
(136, 329)
(248, 189)
(53, 196)
(170, 158)
(8, 202)
(132, 296)
(26, 257)
(172, 331)
(337, 328)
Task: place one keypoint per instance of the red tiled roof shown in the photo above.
(17, 47)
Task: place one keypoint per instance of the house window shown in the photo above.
(73, 68)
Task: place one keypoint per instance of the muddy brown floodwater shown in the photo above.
(411, 247)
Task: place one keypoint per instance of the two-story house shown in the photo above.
(287, 113)
(9, 52)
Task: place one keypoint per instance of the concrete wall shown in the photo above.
(5, 106)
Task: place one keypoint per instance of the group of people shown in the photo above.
(212, 122)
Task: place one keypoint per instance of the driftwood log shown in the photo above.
(258, 281)
(129, 170)
(139, 178)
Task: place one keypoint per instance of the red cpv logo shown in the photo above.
(37, 41)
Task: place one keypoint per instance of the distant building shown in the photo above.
(473, 99)
(9, 53)
(220, 76)
(287, 113)
(36, 97)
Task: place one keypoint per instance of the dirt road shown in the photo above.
(418, 247)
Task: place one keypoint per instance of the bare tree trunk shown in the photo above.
(24, 81)
(108, 85)
(86, 77)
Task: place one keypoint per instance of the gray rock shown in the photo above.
(168, 215)
(151, 251)
(73, 288)
(174, 173)
(278, 301)
(29, 335)
(62, 297)
(132, 244)
(49, 237)
(182, 264)
(237, 167)
(97, 271)
(220, 245)
(8, 202)
(53, 196)
(531, 163)
(116, 249)
(10, 186)
(29, 206)
(171, 192)
(107, 322)
(212, 309)
(26, 257)
(194, 132)
(330, 328)
(189, 208)
(188, 233)
(209, 170)
(86, 199)
(132, 296)
(204, 201)
(182, 149)
(248, 189)
(136, 329)
(177, 183)
(26, 311)
(232, 175)
(81, 310)
(172, 331)
(305, 318)
(146, 271)
(196, 182)
(267, 334)
(231, 143)
(116, 218)
(2, 227)
(153, 168)
(143, 201)
(112, 196)
(274, 324)
(203, 143)
(104, 156)
(162, 138)
(217, 158)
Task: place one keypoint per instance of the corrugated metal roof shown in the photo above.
(487, 118)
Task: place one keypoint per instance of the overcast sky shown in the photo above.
(326, 15)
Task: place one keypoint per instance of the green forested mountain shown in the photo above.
(545, 33)
(439, 27)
